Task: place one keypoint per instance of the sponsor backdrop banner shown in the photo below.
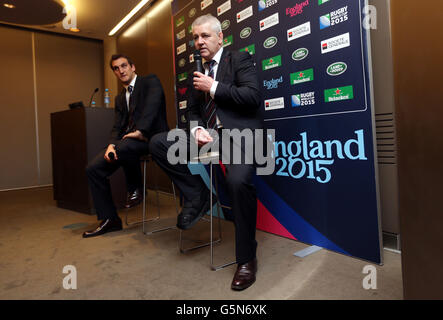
(312, 59)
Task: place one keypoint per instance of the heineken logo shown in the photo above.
(228, 41)
(337, 68)
(302, 76)
(225, 24)
(271, 63)
(180, 21)
(339, 94)
(182, 76)
(246, 32)
(250, 49)
(192, 12)
(300, 54)
(181, 63)
(270, 42)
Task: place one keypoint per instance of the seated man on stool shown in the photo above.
(139, 114)
(230, 80)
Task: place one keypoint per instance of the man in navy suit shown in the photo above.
(225, 96)
(139, 114)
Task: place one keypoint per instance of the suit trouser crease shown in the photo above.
(240, 188)
(99, 171)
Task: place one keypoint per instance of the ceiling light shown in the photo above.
(129, 16)
(8, 5)
(74, 30)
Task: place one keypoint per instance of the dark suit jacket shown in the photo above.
(149, 109)
(237, 97)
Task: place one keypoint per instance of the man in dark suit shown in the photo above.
(226, 96)
(139, 114)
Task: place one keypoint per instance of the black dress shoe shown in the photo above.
(245, 275)
(105, 226)
(133, 198)
(193, 211)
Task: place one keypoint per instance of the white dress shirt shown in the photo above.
(128, 95)
(216, 58)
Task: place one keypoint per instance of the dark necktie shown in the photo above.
(131, 124)
(210, 107)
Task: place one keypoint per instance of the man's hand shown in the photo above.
(202, 82)
(202, 137)
(135, 135)
(108, 150)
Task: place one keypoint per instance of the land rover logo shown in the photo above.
(300, 54)
(246, 32)
(337, 69)
(181, 63)
(270, 42)
(192, 12)
(225, 24)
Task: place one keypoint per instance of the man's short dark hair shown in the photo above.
(118, 56)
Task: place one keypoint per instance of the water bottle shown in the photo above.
(107, 98)
(93, 104)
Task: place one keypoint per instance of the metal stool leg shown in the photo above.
(212, 241)
(144, 219)
(129, 224)
(158, 208)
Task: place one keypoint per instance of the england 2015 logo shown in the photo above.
(273, 83)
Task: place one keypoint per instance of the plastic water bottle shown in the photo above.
(107, 98)
(93, 104)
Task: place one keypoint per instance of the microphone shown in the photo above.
(198, 61)
(111, 156)
(95, 91)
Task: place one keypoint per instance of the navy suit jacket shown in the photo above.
(237, 98)
(149, 109)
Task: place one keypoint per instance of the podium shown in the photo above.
(77, 136)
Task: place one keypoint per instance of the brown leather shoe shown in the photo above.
(133, 198)
(245, 275)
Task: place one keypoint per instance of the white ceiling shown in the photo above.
(95, 18)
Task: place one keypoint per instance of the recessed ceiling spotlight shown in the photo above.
(8, 5)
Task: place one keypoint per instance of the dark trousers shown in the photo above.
(98, 171)
(239, 185)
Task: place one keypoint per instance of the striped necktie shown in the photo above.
(210, 107)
